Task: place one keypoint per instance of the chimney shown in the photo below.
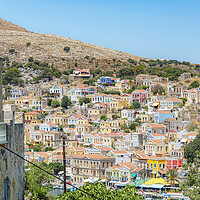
(1, 92)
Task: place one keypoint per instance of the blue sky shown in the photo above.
(149, 28)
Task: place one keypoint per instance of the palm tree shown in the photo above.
(172, 177)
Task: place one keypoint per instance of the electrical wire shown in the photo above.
(47, 172)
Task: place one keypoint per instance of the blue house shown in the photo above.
(162, 115)
(105, 80)
(48, 127)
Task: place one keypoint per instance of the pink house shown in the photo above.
(139, 95)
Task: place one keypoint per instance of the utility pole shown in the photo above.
(64, 163)
(1, 91)
(63, 140)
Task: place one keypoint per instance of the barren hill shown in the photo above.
(50, 48)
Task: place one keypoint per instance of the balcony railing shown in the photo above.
(3, 139)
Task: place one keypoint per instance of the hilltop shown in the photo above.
(50, 48)
(20, 48)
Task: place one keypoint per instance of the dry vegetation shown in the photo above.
(50, 48)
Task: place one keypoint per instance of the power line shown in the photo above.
(47, 172)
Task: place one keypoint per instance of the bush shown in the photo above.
(194, 84)
(11, 51)
(84, 100)
(115, 116)
(67, 49)
(28, 44)
(30, 59)
(103, 117)
(135, 105)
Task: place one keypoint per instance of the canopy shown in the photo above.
(154, 186)
(156, 181)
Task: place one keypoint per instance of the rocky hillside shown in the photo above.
(50, 48)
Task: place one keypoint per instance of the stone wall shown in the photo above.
(12, 167)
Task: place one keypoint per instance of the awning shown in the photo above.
(91, 180)
(155, 104)
(154, 186)
(184, 140)
(153, 172)
(113, 181)
(121, 183)
(134, 175)
(163, 171)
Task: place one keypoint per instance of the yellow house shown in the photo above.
(125, 172)
(172, 135)
(24, 102)
(37, 157)
(26, 138)
(105, 126)
(60, 119)
(126, 97)
(109, 138)
(32, 117)
(75, 150)
(145, 118)
(156, 166)
(118, 104)
(112, 126)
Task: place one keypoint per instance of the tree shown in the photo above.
(49, 102)
(84, 100)
(115, 116)
(55, 103)
(158, 89)
(103, 117)
(191, 186)
(66, 102)
(56, 166)
(48, 149)
(7, 91)
(133, 126)
(34, 178)
(172, 177)
(100, 191)
(144, 87)
(12, 76)
(67, 49)
(191, 149)
(194, 84)
(135, 105)
(38, 147)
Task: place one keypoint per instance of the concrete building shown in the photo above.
(11, 166)
(90, 165)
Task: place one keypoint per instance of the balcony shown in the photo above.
(3, 139)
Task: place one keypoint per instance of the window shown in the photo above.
(154, 165)
(5, 184)
(151, 166)
(160, 165)
(163, 166)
